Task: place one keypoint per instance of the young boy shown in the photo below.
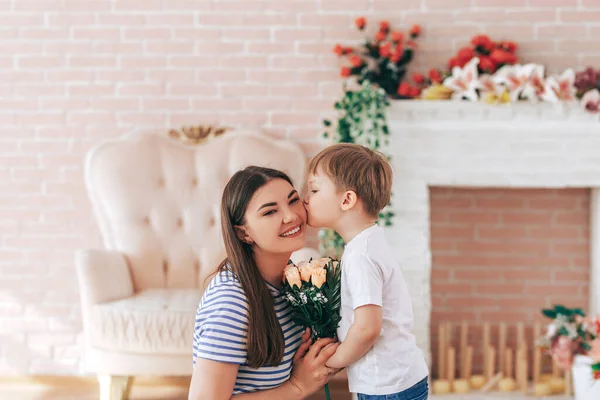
(348, 185)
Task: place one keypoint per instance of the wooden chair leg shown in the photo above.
(114, 387)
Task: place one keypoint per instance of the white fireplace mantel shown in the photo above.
(462, 144)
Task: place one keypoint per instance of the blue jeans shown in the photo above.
(420, 391)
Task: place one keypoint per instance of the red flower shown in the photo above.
(397, 36)
(360, 22)
(345, 72)
(414, 92)
(356, 61)
(465, 54)
(435, 76)
(384, 26)
(348, 50)
(418, 78)
(511, 47)
(486, 64)
(453, 62)
(404, 89)
(397, 54)
(338, 49)
(380, 36)
(499, 56)
(415, 30)
(483, 41)
(385, 50)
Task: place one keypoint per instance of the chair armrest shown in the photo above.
(103, 276)
(305, 254)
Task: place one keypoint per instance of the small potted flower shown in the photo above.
(573, 342)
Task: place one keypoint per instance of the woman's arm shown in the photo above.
(215, 380)
(212, 380)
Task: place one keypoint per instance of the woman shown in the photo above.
(245, 344)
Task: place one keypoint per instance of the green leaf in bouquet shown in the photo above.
(586, 346)
(549, 313)
(562, 310)
(579, 311)
(562, 331)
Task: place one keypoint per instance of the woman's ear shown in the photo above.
(350, 199)
(242, 234)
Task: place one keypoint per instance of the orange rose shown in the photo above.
(292, 276)
(415, 30)
(414, 92)
(453, 62)
(418, 78)
(384, 26)
(435, 76)
(404, 89)
(380, 36)
(385, 50)
(356, 61)
(338, 49)
(345, 72)
(360, 23)
(499, 56)
(305, 270)
(483, 41)
(319, 276)
(465, 54)
(397, 36)
(487, 64)
(511, 47)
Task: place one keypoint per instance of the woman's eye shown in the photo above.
(294, 201)
(269, 213)
(314, 191)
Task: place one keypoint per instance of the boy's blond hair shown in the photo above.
(360, 169)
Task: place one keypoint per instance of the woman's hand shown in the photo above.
(310, 372)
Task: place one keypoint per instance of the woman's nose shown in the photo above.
(288, 216)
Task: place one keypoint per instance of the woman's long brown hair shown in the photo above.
(266, 343)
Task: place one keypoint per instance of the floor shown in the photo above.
(16, 392)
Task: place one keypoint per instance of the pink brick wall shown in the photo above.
(75, 72)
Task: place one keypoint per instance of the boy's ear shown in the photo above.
(242, 234)
(350, 199)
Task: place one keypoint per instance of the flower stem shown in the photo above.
(327, 395)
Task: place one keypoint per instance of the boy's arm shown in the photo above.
(360, 338)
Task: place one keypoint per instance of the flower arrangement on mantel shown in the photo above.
(485, 70)
(569, 334)
(383, 59)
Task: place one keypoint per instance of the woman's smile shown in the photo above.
(293, 232)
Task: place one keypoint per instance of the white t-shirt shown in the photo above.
(371, 275)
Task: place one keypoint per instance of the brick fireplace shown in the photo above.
(500, 255)
(481, 190)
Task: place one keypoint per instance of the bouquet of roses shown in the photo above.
(313, 289)
(572, 333)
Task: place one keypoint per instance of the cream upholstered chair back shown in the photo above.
(158, 201)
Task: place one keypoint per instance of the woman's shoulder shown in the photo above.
(226, 282)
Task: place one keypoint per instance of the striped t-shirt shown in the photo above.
(221, 333)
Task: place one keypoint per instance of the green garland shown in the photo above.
(361, 119)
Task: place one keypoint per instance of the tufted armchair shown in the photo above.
(157, 203)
